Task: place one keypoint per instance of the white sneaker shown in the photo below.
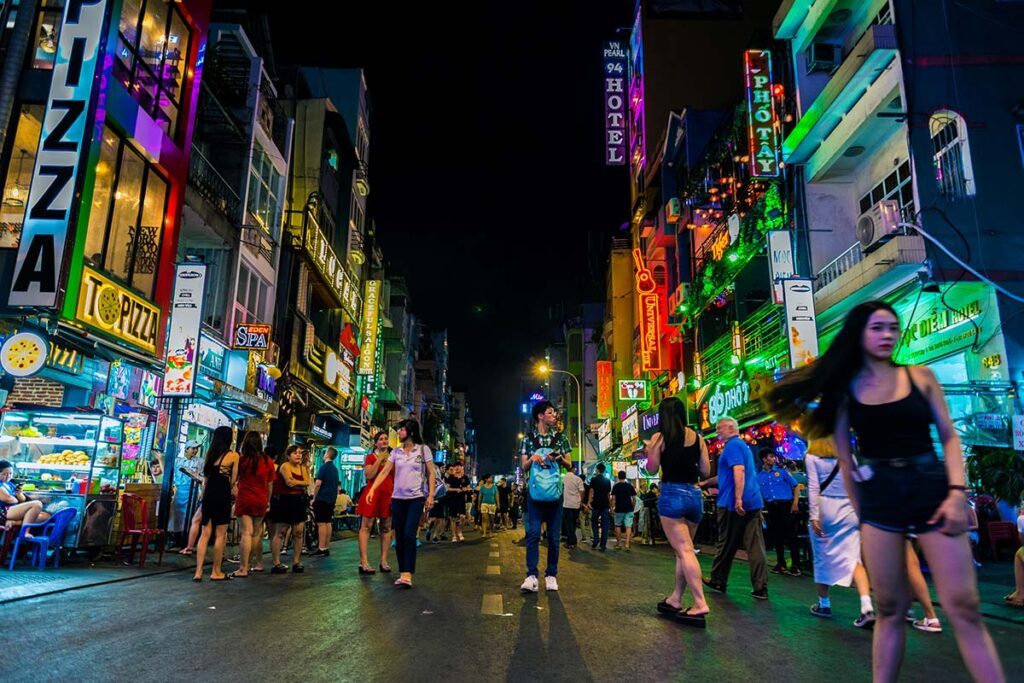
(550, 583)
(531, 585)
(928, 625)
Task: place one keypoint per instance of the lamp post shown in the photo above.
(544, 369)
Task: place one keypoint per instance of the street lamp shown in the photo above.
(543, 370)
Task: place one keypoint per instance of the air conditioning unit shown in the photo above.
(823, 57)
(878, 225)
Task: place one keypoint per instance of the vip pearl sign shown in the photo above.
(615, 54)
(51, 197)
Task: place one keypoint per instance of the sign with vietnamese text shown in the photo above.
(605, 377)
(781, 264)
(113, 309)
(632, 390)
(615, 61)
(331, 268)
(251, 336)
(1018, 432)
(650, 315)
(182, 349)
(631, 427)
(51, 196)
(762, 120)
(801, 327)
(211, 357)
(371, 309)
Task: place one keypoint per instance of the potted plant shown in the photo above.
(997, 471)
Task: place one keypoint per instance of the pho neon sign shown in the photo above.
(762, 120)
(650, 315)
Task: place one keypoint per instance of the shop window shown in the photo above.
(46, 33)
(129, 203)
(951, 154)
(19, 174)
(152, 51)
(896, 186)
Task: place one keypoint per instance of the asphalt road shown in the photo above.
(462, 622)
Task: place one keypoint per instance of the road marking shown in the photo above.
(494, 545)
(493, 569)
(492, 604)
(495, 554)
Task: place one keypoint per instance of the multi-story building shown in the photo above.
(582, 342)
(906, 167)
(97, 124)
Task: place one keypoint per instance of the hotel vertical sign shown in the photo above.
(615, 103)
(650, 315)
(51, 196)
(762, 120)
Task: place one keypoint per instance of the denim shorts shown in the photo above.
(681, 501)
(902, 496)
(623, 519)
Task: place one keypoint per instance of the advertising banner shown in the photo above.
(51, 197)
(110, 308)
(182, 346)
(781, 264)
(801, 327)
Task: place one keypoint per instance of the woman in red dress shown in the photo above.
(379, 509)
(255, 475)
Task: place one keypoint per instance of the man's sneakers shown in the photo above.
(532, 585)
(865, 620)
(760, 594)
(322, 552)
(713, 585)
(819, 611)
(778, 569)
(795, 571)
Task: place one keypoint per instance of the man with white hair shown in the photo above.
(739, 493)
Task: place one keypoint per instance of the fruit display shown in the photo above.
(107, 461)
(67, 457)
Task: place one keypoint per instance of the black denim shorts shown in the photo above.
(903, 494)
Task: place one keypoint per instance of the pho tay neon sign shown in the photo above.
(650, 315)
(762, 120)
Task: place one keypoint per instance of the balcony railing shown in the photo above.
(764, 337)
(213, 187)
(842, 263)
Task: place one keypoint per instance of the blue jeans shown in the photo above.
(405, 521)
(605, 518)
(681, 501)
(551, 514)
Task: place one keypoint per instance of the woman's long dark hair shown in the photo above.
(250, 452)
(827, 380)
(412, 430)
(219, 445)
(672, 422)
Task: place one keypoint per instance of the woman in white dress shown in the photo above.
(835, 538)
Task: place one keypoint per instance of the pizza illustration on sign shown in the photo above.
(23, 354)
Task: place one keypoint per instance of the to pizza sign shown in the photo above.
(251, 336)
(109, 307)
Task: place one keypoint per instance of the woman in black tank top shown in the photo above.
(682, 456)
(856, 392)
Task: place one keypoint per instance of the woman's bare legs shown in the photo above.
(365, 527)
(918, 586)
(297, 532)
(220, 540)
(204, 541)
(952, 568)
(679, 533)
(385, 540)
(245, 551)
(885, 558)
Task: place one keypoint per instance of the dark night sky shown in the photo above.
(486, 167)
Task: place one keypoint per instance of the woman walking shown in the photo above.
(682, 456)
(413, 465)
(220, 476)
(255, 475)
(288, 507)
(835, 537)
(899, 486)
(380, 509)
(488, 504)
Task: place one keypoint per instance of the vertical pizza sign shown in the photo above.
(650, 322)
(51, 196)
(762, 120)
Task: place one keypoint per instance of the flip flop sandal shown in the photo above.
(403, 583)
(255, 569)
(385, 568)
(665, 608)
(186, 551)
(365, 571)
(237, 575)
(696, 620)
(197, 579)
(226, 577)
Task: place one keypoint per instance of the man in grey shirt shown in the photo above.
(573, 498)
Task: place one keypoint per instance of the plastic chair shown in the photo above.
(135, 523)
(1001, 533)
(51, 533)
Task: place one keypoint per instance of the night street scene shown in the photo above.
(620, 340)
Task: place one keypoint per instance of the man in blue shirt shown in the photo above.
(781, 495)
(740, 503)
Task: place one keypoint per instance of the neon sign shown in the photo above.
(632, 390)
(604, 388)
(762, 120)
(650, 316)
(614, 104)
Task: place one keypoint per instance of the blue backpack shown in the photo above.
(545, 478)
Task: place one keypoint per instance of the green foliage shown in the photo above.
(998, 471)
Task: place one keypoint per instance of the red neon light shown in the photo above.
(650, 318)
(604, 388)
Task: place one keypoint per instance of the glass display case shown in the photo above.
(67, 459)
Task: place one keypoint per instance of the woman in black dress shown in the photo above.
(220, 476)
(897, 484)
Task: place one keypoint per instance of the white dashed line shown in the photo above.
(495, 554)
(493, 569)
